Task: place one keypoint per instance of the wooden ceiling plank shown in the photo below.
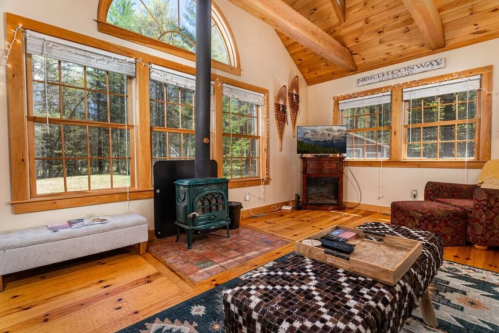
(468, 11)
(454, 5)
(428, 19)
(286, 20)
(339, 9)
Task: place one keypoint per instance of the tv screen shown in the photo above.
(322, 140)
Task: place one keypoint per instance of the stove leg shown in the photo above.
(189, 239)
(228, 235)
(178, 234)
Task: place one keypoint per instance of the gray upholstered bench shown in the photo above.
(34, 247)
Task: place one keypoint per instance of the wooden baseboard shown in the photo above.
(246, 213)
(371, 208)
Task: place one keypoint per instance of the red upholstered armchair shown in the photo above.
(481, 206)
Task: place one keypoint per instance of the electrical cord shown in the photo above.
(358, 186)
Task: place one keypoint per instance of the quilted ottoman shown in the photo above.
(299, 294)
(445, 220)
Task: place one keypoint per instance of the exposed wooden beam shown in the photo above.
(427, 18)
(286, 20)
(339, 9)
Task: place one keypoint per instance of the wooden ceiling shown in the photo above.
(379, 33)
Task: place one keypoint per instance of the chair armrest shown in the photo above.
(483, 227)
(486, 199)
(436, 190)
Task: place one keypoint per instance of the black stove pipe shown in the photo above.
(203, 87)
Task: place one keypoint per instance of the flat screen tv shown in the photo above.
(322, 140)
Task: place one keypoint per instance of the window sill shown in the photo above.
(41, 204)
(418, 164)
(247, 182)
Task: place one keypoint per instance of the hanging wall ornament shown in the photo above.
(294, 101)
(281, 115)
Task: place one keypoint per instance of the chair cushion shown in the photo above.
(447, 221)
(39, 235)
(465, 204)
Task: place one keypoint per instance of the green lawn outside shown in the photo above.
(80, 183)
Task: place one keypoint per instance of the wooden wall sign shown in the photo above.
(281, 113)
(294, 101)
(401, 72)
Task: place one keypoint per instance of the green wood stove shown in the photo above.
(202, 204)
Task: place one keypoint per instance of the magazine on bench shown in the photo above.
(78, 223)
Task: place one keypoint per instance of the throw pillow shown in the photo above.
(492, 183)
(490, 169)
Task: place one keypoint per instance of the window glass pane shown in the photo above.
(175, 149)
(40, 103)
(466, 131)
(49, 176)
(189, 145)
(467, 110)
(413, 134)
(218, 50)
(99, 142)
(159, 144)
(77, 175)
(448, 112)
(156, 91)
(173, 95)
(72, 74)
(117, 83)
(383, 151)
(430, 133)
(100, 174)
(448, 98)
(385, 119)
(226, 122)
(186, 96)
(358, 138)
(47, 140)
(466, 149)
(430, 115)
(429, 150)
(97, 106)
(384, 137)
(448, 133)
(172, 118)
(118, 109)
(466, 96)
(187, 117)
(236, 147)
(75, 141)
(447, 150)
(157, 114)
(96, 79)
(73, 103)
(237, 167)
(121, 143)
(414, 150)
(227, 168)
(415, 116)
(254, 148)
(358, 152)
(52, 66)
(121, 173)
(371, 151)
(430, 101)
(254, 167)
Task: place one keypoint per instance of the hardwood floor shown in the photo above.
(108, 292)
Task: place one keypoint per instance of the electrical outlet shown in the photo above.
(414, 194)
(246, 197)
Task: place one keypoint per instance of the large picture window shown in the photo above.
(241, 132)
(78, 118)
(441, 120)
(368, 123)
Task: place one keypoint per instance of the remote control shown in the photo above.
(338, 246)
(334, 238)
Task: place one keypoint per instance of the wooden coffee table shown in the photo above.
(298, 294)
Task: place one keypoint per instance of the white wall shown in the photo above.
(399, 182)
(265, 63)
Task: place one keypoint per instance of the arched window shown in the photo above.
(170, 26)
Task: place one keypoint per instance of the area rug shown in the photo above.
(212, 253)
(465, 299)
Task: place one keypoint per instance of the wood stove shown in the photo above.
(202, 204)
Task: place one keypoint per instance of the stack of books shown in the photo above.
(78, 223)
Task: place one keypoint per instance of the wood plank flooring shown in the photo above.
(108, 292)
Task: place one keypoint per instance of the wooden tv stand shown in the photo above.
(322, 183)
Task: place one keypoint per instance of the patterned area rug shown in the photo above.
(213, 253)
(465, 299)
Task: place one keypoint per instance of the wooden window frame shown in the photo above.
(397, 135)
(225, 31)
(21, 199)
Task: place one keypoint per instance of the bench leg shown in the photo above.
(1, 284)
(427, 310)
(142, 248)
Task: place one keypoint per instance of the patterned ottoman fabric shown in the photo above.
(304, 295)
(483, 228)
(445, 220)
